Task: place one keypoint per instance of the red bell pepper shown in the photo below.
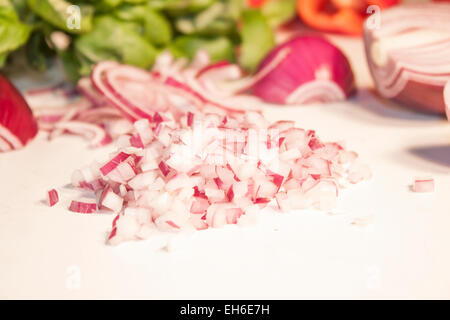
(343, 16)
(255, 3)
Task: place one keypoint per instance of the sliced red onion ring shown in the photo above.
(98, 80)
(409, 55)
(200, 172)
(226, 79)
(52, 197)
(88, 90)
(83, 205)
(423, 185)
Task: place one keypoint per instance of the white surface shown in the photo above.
(404, 253)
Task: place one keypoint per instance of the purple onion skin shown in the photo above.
(307, 55)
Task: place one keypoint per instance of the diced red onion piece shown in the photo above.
(87, 89)
(113, 163)
(98, 80)
(110, 200)
(84, 205)
(423, 185)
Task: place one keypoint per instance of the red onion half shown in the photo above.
(17, 124)
(312, 70)
(409, 54)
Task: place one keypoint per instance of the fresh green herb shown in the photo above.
(135, 31)
(13, 33)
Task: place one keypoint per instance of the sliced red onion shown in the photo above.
(312, 70)
(52, 96)
(172, 85)
(52, 197)
(194, 157)
(173, 88)
(98, 80)
(95, 120)
(409, 55)
(17, 124)
(94, 133)
(423, 185)
(110, 200)
(114, 162)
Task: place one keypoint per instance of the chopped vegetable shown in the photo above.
(195, 163)
(423, 185)
(83, 205)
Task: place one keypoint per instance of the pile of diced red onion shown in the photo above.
(207, 170)
(192, 157)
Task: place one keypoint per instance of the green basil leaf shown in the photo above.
(257, 39)
(155, 26)
(113, 39)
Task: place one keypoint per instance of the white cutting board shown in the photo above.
(404, 253)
